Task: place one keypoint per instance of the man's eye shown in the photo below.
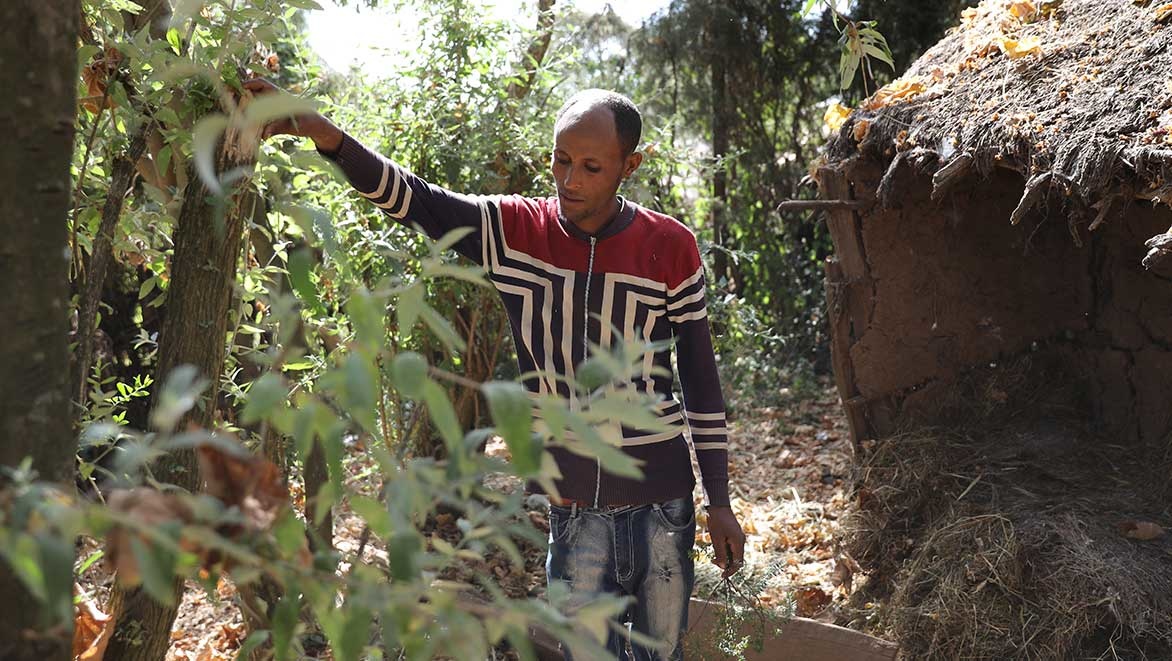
(593, 169)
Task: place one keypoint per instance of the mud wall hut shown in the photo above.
(1001, 309)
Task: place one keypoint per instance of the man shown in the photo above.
(573, 270)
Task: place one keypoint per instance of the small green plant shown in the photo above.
(860, 42)
(740, 621)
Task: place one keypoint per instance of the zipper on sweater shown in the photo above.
(586, 353)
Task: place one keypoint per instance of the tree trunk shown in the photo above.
(208, 239)
(100, 256)
(719, 148)
(40, 77)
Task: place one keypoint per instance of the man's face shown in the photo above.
(588, 165)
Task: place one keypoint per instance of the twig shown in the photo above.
(85, 162)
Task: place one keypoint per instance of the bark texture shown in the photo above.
(38, 71)
(208, 240)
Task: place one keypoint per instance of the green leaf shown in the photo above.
(360, 388)
(173, 39)
(593, 374)
(409, 306)
(23, 557)
(285, 625)
(512, 414)
(163, 160)
(289, 533)
(156, 565)
(590, 443)
(409, 374)
(367, 316)
(304, 4)
(443, 414)
(264, 395)
(879, 54)
(374, 513)
(300, 266)
(403, 549)
(205, 138)
(180, 392)
(450, 239)
(146, 287)
(442, 328)
(264, 109)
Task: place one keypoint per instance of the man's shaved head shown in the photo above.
(628, 122)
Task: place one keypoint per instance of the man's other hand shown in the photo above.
(310, 125)
(728, 540)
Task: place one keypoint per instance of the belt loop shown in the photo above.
(573, 509)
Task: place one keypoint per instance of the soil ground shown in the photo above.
(789, 468)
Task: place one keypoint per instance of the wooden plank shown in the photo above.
(840, 331)
(843, 224)
(799, 639)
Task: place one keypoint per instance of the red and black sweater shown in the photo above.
(565, 290)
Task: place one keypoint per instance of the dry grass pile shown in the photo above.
(1015, 532)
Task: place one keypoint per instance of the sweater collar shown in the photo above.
(618, 223)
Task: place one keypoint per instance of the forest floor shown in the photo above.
(789, 470)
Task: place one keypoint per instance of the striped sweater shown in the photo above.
(565, 290)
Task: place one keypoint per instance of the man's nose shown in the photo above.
(569, 180)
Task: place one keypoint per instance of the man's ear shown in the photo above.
(634, 159)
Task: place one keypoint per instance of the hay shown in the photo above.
(997, 537)
(1090, 107)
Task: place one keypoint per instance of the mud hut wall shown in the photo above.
(953, 285)
(1128, 345)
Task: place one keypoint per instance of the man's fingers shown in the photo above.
(720, 551)
(737, 559)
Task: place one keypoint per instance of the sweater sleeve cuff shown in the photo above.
(717, 492)
(348, 149)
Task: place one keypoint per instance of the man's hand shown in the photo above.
(728, 540)
(312, 125)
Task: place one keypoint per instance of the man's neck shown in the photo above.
(594, 224)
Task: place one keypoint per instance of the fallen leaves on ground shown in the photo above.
(1163, 13)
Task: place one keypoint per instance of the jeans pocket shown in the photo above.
(676, 515)
(560, 520)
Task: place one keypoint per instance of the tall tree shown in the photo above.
(208, 241)
(40, 75)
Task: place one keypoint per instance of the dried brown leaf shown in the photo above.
(1023, 10)
(811, 601)
(147, 508)
(902, 89)
(251, 483)
(90, 633)
(1143, 531)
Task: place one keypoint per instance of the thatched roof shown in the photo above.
(1069, 92)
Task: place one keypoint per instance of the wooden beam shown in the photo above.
(823, 205)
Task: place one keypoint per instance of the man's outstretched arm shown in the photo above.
(400, 194)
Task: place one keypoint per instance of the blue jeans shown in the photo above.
(643, 551)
